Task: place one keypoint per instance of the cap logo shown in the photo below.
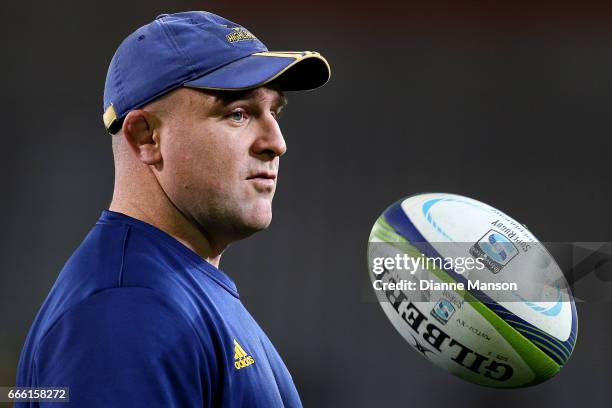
(239, 34)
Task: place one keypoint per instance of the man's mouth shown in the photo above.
(263, 175)
(263, 179)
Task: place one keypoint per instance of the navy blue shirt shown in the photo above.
(136, 319)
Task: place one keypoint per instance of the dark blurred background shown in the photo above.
(506, 103)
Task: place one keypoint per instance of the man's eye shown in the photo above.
(238, 116)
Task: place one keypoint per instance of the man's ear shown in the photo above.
(142, 134)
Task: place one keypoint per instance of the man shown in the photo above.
(140, 315)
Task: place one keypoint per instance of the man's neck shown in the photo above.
(170, 220)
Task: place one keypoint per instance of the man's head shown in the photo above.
(215, 154)
(193, 102)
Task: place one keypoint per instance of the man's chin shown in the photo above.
(255, 221)
(240, 223)
(258, 223)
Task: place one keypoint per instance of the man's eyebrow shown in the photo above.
(227, 97)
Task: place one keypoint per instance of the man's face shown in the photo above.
(220, 158)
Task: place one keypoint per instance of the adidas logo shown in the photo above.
(241, 358)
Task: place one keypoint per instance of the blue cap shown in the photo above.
(198, 49)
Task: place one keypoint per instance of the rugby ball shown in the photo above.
(472, 290)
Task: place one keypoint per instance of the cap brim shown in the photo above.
(292, 71)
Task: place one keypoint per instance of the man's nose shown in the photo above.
(269, 140)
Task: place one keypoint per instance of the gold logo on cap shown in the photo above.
(239, 34)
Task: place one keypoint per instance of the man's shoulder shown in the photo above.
(119, 268)
(115, 255)
(129, 338)
(123, 312)
(133, 317)
(127, 282)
